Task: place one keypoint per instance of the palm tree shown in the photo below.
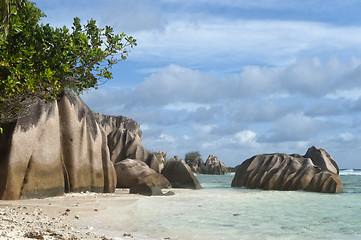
(5, 13)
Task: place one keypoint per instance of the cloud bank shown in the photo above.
(257, 110)
(233, 78)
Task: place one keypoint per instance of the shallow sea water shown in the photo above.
(221, 212)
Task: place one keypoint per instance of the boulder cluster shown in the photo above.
(212, 166)
(63, 147)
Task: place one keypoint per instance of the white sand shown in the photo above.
(72, 216)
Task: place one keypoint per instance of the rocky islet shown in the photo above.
(316, 171)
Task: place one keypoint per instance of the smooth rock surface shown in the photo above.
(180, 175)
(131, 172)
(58, 147)
(290, 172)
(215, 166)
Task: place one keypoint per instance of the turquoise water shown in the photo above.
(221, 212)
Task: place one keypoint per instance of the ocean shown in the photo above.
(220, 212)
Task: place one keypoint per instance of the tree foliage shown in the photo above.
(38, 61)
(191, 156)
(5, 14)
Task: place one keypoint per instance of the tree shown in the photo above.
(191, 156)
(5, 13)
(38, 61)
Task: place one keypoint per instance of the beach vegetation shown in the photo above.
(191, 156)
(39, 62)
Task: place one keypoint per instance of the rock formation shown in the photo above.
(132, 172)
(161, 159)
(125, 140)
(57, 147)
(212, 166)
(180, 175)
(197, 165)
(215, 166)
(315, 172)
(63, 146)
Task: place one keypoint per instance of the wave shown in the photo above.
(350, 171)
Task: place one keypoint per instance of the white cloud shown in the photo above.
(189, 107)
(297, 127)
(186, 137)
(349, 94)
(203, 129)
(347, 136)
(246, 137)
(272, 42)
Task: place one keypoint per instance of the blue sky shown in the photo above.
(233, 78)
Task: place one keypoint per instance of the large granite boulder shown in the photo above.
(180, 175)
(131, 172)
(315, 172)
(55, 148)
(125, 140)
(215, 166)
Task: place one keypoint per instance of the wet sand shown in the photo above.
(72, 216)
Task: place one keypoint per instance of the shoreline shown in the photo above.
(71, 216)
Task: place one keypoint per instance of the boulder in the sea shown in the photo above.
(212, 165)
(215, 166)
(180, 175)
(54, 148)
(316, 172)
(132, 172)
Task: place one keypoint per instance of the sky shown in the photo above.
(233, 78)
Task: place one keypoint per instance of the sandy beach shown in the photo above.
(72, 216)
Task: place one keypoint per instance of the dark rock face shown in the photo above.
(132, 172)
(180, 175)
(146, 189)
(197, 165)
(290, 172)
(212, 166)
(58, 147)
